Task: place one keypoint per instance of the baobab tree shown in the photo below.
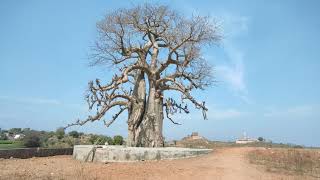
(151, 50)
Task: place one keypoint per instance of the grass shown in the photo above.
(202, 143)
(288, 160)
(7, 144)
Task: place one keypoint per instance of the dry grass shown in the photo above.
(288, 160)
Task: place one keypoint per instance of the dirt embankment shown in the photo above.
(225, 163)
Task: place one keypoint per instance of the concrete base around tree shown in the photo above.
(104, 154)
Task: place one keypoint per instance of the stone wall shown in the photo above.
(33, 152)
(128, 154)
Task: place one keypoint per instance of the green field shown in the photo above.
(7, 144)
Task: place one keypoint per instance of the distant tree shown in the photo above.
(15, 131)
(93, 138)
(109, 140)
(104, 139)
(260, 139)
(298, 146)
(118, 140)
(3, 136)
(74, 134)
(100, 139)
(32, 139)
(60, 133)
(25, 130)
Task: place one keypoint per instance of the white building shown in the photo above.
(18, 136)
(245, 139)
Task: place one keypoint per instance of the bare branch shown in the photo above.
(114, 117)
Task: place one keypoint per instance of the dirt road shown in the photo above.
(227, 163)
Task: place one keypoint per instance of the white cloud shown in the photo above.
(232, 71)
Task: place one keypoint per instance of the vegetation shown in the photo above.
(118, 140)
(3, 135)
(60, 133)
(7, 144)
(32, 139)
(288, 160)
(260, 139)
(74, 134)
(51, 139)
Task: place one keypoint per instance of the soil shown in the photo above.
(224, 163)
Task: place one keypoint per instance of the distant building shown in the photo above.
(171, 143)
(193, 136)
(18, 136)
(245, 139)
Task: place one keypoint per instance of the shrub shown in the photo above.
(109, 140)
(3, 136)
(104, 139)
(100, 139)
(118, 140)
(31, 140)
(260, 139)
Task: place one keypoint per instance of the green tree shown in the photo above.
(74, 134)
(32, 139)
(15, 131)
(118, 140)
(109, 140)
(60, 133)
(93, 138)
(104, 139)
(3, 136)
(260, 139)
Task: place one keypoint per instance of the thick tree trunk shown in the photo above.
(137, 108)
(150, 130)
(145, 118)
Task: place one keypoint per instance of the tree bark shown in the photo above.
(146, 118)
(150, 130)
(137, 108)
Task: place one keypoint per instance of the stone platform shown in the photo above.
(104, 154)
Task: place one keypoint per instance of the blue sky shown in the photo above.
(267, 68)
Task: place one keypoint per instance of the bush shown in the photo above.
(60, 133)
(3, 137)
(104, 139)
(109, 140)
(118, 140)
(31, 140)
(260, 139)
(100, 139)
(74, 134)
